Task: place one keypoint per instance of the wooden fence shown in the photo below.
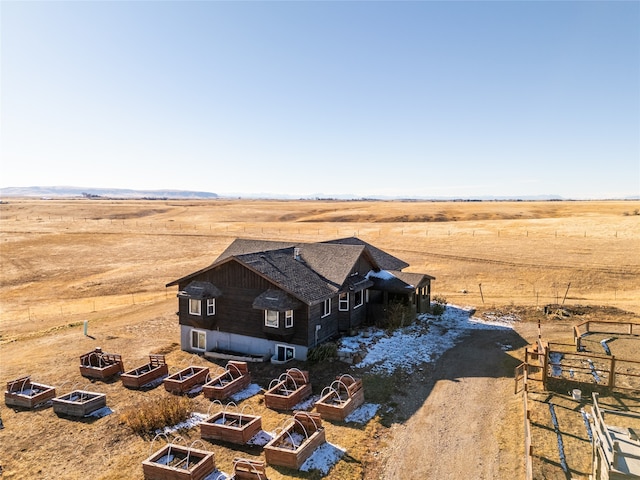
(607, 454)
(602, 326)
(561, 368)
(521, 376)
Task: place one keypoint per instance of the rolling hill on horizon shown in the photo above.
(88, 192)
(121, 193)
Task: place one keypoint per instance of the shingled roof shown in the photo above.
(291, 275)
(384, 260)
(275, 300)
(200, 290)
(310, 272)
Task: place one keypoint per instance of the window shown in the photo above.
(288, 319)
(211, 306)
(198, 340)
(285, 353)
(343, 302)
(195, 307)
(271, 318)
(358, 300)
(326, 307)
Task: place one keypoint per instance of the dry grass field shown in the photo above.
(107, 261)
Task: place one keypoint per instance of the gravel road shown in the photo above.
(462, 418)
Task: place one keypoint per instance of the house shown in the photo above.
(282, 298)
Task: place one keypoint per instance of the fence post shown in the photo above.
(612, 372)
(545, 366)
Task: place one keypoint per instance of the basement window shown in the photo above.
(199, 340)
(285, 353)
(195, 307)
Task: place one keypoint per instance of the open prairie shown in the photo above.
(107, 262)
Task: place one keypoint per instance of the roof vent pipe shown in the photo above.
(296, 253)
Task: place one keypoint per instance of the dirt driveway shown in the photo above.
(460, 415)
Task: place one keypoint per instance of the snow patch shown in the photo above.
(323, 458)
(556, 427)
(554, 360)
(248, 392)
(594, 371)
(261, 438)
(423, 341)
(382, 274)
(587, 424)
(194, 420)
(363, 414)
(307, 404)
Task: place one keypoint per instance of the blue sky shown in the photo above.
(436, 99)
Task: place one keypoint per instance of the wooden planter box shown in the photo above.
(296, 442)
(100, 365)
(249, 469)
(235, 378)
(342, 397)
(24, 393)
(174, 462)
(285, 392)
(231, 427)
(79, 403)
(186, 379)
(141, 376)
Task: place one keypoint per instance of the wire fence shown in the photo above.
(340, 229)
(80, 306)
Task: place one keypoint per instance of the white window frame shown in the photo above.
(286, 347)
(192, 306)
(326, 308)
(357, 294)
(269, 322)
(343, 303)
(201, 334)
(288, 319)
(211, 306)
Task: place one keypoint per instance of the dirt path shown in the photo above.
(460, 416)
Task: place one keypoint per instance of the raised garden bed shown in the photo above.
(236, 377)
(341, 398)
(249, 469)
(175, 462)
(296, 441)
(100, 365)
(79, 403)
(186, 379)
(231, 427)
(141, 376)
(24, 393)
(289, 389)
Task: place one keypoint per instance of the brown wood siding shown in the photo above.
(354, 317)
(362, 266)
(234, 311)
(329, 324)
